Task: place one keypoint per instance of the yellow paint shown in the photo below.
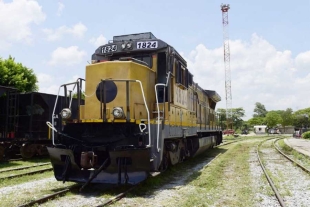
(108, 120)
(82, 109)
(119, 70)
(183, 106)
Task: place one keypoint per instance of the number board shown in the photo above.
(147, 45)
(109, 48)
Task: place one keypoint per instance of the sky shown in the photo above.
(269, 42)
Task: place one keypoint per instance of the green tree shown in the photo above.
(237, 114)
(287, 117)
(82, 95)
(272, 119)
(256, 121)
(300, 120)
(16, 75)
(259, 110)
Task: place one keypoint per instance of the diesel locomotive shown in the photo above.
(142, 113)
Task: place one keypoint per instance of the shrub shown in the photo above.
(306, 135)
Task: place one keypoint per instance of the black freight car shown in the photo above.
(23, 118)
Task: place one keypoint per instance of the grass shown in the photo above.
(223, 174)
(227, 176)
(22, 163)
(24, 179)
(19, 172)
(27, 194)
(303, 159)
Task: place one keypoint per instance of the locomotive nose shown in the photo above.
(106, 91)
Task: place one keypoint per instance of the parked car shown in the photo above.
(228, 131)
(296, 134)
(274, 131)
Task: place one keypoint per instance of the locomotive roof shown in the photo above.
(138, 36)
(213, 95)
(140, 42)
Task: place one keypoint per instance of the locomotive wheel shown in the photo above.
(2, 149)
(28, 150)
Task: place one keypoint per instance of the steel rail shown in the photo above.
(231, 142)
(24, 174)
(290, 159)
(16, 159)
(275, 190)
(51, 196)
(23, 168)
(117, 197)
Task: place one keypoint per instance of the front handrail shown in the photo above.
(55, 105)
(75, 84)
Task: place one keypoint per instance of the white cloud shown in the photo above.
(67, 56)
(45, 78)
(259, 73)
(76, 30)
(49, 84)
(61, 7)
(303, 60)
(16, 19)
(101, 40)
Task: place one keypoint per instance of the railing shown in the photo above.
(158, 112)
(127, 103)
(78, 86)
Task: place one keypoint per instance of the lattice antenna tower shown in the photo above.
(225, 8)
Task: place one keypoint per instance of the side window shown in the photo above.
(182, 74)
(190, 79)
(178, 71)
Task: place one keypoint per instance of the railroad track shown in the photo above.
(51, 196)
(290, 159)
(272, 185)
(123, 194)
(117, 197)
(275, 190)
(106, 202)
(23, 168)
(25, 174)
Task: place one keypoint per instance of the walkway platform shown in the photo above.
(300, 145)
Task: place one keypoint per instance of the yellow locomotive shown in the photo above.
(142, 112)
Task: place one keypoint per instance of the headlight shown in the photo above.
(65, 113)
(128, 45)
(118, 113)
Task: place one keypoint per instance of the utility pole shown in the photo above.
(225, 8)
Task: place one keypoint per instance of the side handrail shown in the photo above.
(158, 114)
(157, 105)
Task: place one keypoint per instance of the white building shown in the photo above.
(260, 129)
